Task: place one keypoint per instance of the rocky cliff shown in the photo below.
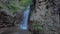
(46, 15)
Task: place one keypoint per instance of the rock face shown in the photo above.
(5, 20)
(46, 13)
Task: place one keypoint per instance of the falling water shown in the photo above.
(24, 25)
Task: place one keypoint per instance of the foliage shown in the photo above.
(36, 26)
(25, 2)
(13, 6)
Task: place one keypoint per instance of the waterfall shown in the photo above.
(24, 25)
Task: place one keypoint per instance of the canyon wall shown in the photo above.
(46, 14)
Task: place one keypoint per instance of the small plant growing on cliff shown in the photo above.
(37, 26)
